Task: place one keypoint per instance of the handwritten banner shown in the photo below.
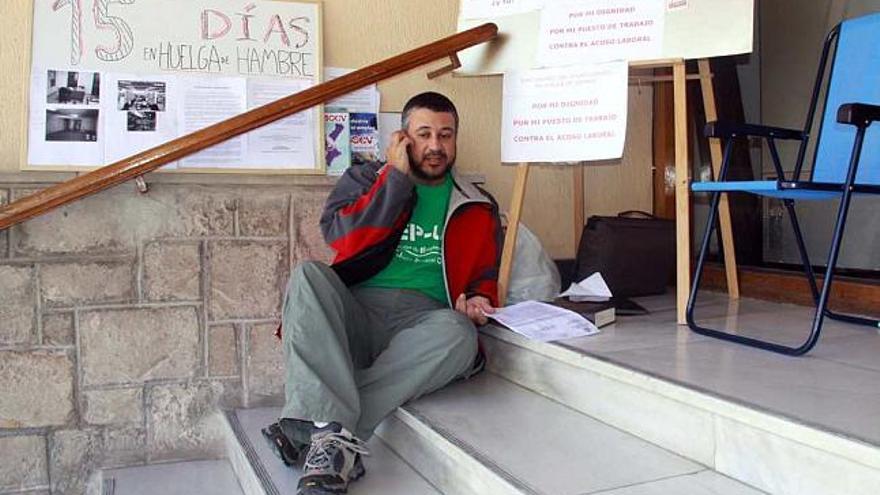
(264, 38)
(566, 114)
(111, 78)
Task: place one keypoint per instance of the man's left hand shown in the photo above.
(476, 308)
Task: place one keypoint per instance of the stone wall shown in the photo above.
(128, 320)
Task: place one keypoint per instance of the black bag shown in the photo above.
(634, 252)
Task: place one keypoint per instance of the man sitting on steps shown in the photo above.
(417, 253)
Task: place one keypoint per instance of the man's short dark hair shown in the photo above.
(431, 101)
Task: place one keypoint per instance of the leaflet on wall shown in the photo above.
(600, 30)
(337, 140)
(564, 114)
(207, 102)
(287, 143)
(364, 138)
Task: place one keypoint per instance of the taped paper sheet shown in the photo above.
(599, 30)
(565, 114)
(692, 29)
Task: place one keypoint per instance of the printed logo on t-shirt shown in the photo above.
(419, 244)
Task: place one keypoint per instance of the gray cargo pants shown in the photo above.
(353, 356)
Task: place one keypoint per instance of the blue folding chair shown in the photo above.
(846, 162)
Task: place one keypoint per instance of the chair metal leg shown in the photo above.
(802, 249)
(811, 276)
(821, 298)
(701, 258)
(822, 307)
(711, 332)
(822, 304)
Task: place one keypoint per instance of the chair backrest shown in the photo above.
(855, 78)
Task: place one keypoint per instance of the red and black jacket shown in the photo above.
(366, 213)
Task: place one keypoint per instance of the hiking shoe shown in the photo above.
(333, 461)
(287, 450)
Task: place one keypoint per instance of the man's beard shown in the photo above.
(421, 173)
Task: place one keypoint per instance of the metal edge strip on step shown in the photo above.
(471, 451)
(251, 454)
(108, 486)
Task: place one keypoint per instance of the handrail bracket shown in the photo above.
(141, 185)
(454, 63)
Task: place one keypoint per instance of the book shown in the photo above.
(337, 141)
(599, 313)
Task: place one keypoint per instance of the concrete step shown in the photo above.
(646, 407)
(179, 478)
(487, 435)
(647, 380)
(260, 472)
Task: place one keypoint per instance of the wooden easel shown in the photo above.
(682, 188)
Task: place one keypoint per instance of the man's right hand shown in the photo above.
(397, 151)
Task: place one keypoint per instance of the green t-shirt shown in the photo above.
(417, 262)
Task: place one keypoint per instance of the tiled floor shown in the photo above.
(835, 387)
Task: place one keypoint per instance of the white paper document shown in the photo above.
(388, 123)
(590, 289)
(600, 30)
(286, 143)
(543, 322)
(364, 100)
(206, 102)
(564, 114)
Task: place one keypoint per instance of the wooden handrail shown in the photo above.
(149, 160)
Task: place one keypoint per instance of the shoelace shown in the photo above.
(324, 448)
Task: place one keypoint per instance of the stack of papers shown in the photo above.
(590, 289)
(543, 322)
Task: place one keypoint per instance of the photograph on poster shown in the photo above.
(142, 96)
(141, 121)
(71, 125)
(71, 87)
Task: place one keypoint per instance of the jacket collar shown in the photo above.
(464, 191)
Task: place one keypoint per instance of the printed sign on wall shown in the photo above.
(543, 36)
(600, 30)
(565, 114)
